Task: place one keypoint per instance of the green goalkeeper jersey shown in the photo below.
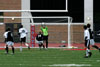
(45, 31)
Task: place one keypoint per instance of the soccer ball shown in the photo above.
(42, 23)
(88, 18)
(13, 18)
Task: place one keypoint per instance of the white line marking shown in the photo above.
(68, 65)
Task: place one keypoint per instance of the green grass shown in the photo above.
(45, 58)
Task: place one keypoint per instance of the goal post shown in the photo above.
(61, 28)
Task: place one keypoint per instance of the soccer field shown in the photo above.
(49, 58)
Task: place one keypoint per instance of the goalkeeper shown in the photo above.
(44, 30)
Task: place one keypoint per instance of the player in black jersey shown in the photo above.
(9, 40)
(91, 37)
(39, 39)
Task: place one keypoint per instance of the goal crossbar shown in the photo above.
(34, 17)
(33, 10)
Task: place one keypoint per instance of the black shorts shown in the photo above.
(23, 39)
(45, 37)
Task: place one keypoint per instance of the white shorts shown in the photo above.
(92, 42)
(40, 42)
(10, 43)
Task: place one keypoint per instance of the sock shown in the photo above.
(29, 47)
(6, 49)
(43, 46)
(21, 48)
(95, 47)
(88, 50)
(87, 54)
(46, 44)
(13, 49)
(40, 46)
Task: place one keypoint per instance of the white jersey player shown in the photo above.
(23, 33)
(87, 39)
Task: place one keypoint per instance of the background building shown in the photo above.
(80, 10)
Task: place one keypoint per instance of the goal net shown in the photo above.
(62, 31)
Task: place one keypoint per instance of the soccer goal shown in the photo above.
(62, 31)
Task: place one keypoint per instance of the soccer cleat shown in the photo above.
(6, 53)
(28, 47)
(46, 48)
(99, 49)
(86, 57)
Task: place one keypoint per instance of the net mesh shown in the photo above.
(57, 29)
(77, 34)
